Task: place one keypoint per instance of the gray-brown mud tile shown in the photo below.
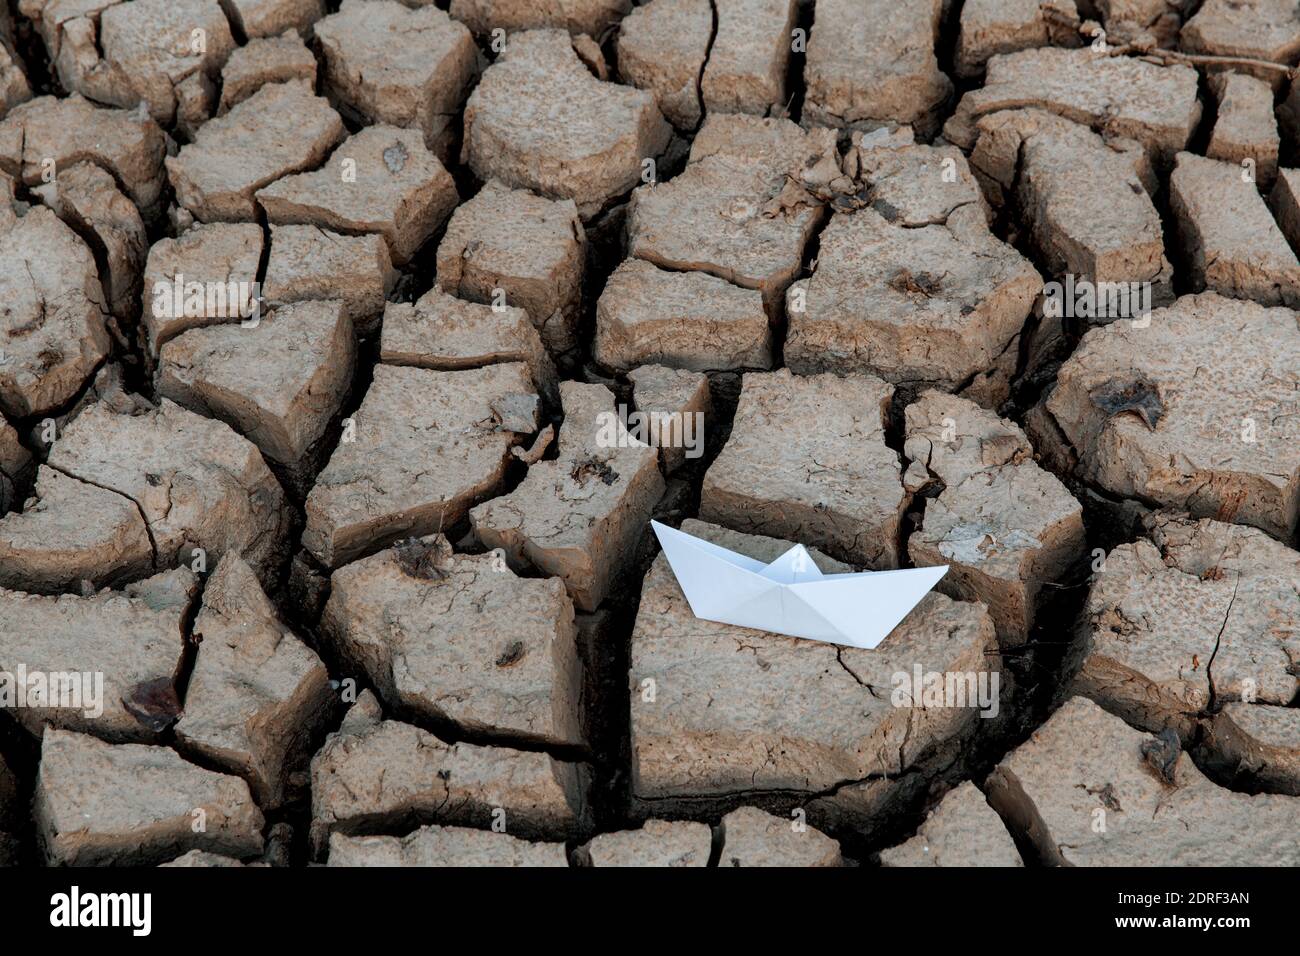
(102, 664)
(752, 837)
(540, 120)
(807, 459)
(46, 135)
(1163, 412)
(1202, 613)
(723, 715)
(460, 639)
(257, 696)
(963, 830)
(512, 248)
(579, 516)
(442, 332)
(388, 63)
(657, 843)
(873, 64)
(53, 335)
(380, 180)
(378, 775)
(444, 846)
(685, 320)
(102, 804)
(283, 128)
(1124, 96)
(422, 449)
(1008, 530)
(1088, 790)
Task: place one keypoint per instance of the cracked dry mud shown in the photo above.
(349, 347)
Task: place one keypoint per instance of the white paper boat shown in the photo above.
(791, 595)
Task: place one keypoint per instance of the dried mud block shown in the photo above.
(592, 17)
(196, 102)
(278, 384)
(423, 447)
(688, 320)
(444, 846)
(674, 406)
(1159, 614)
(14, 88)
(149, 49)
(580, 516)
(379, 180)
(509, 247)
(747, 61)
(1118, 95)
(11, 208)
(872, 64)
(459, 639)
(1228, 236)
(281, 129)
(378, 775)
(100, 804)
(311, 264)
(1257, 29)
(961, 831)
(779, 145)
(657, 843)
(1007, 529)
(915, 185)
(1245, 130)
(724, 714)
(266, 60)
(94, 661)
(751, 837)
(87, 199)
(202, 859)
(258, 695)
(1262, 741)
(218, 257)
(990, 27)
(836, 486)
(539, 120)
(196, 483)
(53, 335)
(1168, 415)
(723, 214)
(662, 46)
(442, 332)
(70, 531)
(937, 304)
(49, 134)
(1085, 768)
(1087, 199)
(1140, 21)
(388, 63)
(266, 18)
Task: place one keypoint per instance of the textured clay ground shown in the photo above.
(365, 577)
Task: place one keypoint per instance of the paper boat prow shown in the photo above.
(791, 595)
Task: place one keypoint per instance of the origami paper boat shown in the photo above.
(791, 595)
